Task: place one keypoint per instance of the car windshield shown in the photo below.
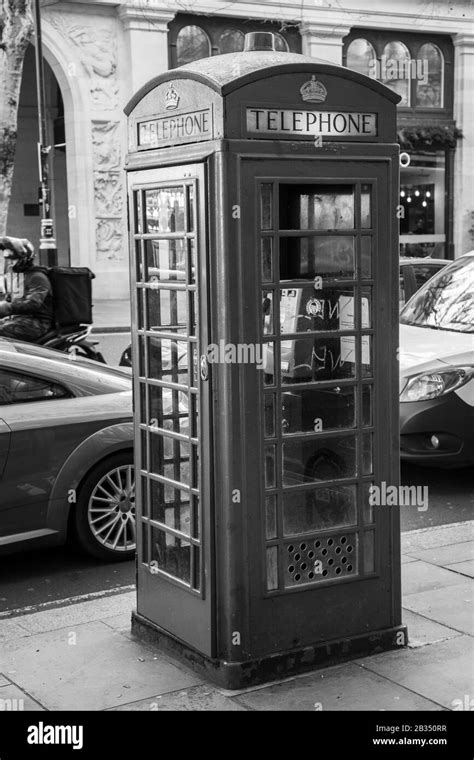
(446, 302)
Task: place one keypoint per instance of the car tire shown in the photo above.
(104, 517)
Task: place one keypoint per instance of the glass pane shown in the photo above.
(267, 259)
(306, 360)
(231, 41)
(138, 212)
(321, 458)
(168, 409)
(167, 309)
(190, 193)
(269, 415)
(192, 261)
(319, 509)
(310, 257)
(365, 206)
(270, 462)
(268, 354)
(192, 43)
(164, 210)
(429, 80)
(367, 361)
(306, 309)
(369, 552)
(267, 311)
(367, 507)
(314, 410)
(396, 71)
(361, 57)
(366, 256)
(316, 207)
(367, 405)
(272, 568)
(266, 206)
(169, 457)
(170, 506)
(367, 454)
(141, 308)
(165, 261)
(172, 555)
(168, 360)
(348, 355)
(270, 516)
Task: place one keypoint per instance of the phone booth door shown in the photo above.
(321, 289)
(172, 441)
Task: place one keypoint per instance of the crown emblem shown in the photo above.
(313, 91)
(171, 98)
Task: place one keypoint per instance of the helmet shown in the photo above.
(20, 250)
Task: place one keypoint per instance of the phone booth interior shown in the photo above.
(264, 270)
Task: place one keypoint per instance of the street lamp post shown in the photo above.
(48, 254)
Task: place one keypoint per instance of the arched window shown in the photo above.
(429, 79)
(361, 57)
(192, 43)
(395, 70)
(231, 41)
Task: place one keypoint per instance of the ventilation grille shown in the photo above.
(320, 559)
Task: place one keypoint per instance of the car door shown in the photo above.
(31, 448)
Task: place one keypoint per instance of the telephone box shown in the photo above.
(264, 271)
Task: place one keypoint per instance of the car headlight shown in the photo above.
(435, 384)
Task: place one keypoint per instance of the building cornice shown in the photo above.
(139, 18)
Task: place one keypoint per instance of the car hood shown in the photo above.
(423, 349)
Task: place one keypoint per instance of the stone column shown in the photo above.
(146, 42)
(324, 41)
(464, 157)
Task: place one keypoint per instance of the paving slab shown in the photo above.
(466, 568)
(15, 700)
(4, 681)
(440, 535)
(121, 622)
(422, 631)
(451, 606)
(91, 668)
(441, 672)
(199, 698)
(406, 559)
(345, 687)
(423, 576)
(76, 614)
(446, 555)
(11, 630)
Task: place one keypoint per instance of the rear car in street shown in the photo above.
(437, 369)
(66, 453)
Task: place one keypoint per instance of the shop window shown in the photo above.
(429, 91)
(193, 37)
(422, 200)
(361, 57)
(192, 43)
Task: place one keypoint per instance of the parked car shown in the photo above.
(437, 369)
(66, 452)
(414, 272)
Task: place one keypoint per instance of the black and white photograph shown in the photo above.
(236, 370)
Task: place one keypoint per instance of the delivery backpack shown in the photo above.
(72, 295)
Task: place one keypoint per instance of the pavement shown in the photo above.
(111, 315)
(82, 656)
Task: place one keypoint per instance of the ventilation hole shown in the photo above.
(317, 544)
(324, 552)
(311, 575)
(290, 548)
(338, 570)
(349, 568)
(325, 572)
(297, 577)
(330, 561)
(349, 549)
(343, 540)
(302, 547)
(310, 555)
(291, 568)
(338, 550)
(303, 566)
(297, 557)
(330, 542)
(343, 560)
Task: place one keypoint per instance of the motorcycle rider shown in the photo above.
(29, 315)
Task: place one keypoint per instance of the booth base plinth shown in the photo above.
(272, 667)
